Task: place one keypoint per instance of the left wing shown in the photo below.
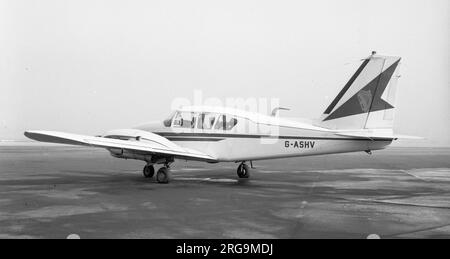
(137, 141)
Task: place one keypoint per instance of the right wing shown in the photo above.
(141, 142)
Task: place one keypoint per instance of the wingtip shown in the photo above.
(29, 134)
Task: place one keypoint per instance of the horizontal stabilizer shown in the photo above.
(374, 134)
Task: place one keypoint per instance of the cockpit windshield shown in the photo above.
(168, 122)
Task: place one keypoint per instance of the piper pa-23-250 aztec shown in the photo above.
(360, 118)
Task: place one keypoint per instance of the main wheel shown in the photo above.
(163, 175)
(243, 171)
(148, 171)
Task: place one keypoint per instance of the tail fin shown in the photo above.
(367, 100)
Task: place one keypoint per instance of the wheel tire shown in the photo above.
(243, 171)
(163, 175)
(148, 171)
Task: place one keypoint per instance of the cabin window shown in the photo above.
(185, 120)
(206, 120)
(225, 122)
(230, 123)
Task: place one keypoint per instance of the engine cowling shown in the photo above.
(141, 136)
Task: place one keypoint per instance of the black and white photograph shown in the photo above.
(224, 127)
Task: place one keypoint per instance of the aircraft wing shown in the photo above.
(148, 143)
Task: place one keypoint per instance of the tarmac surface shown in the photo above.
(53, 192)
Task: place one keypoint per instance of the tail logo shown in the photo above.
(364, 98)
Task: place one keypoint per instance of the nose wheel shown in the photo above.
(243, 171)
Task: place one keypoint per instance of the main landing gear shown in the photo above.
(243, 171)
(148, 171)
(162, 176)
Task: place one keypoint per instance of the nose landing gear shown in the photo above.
(243, 171)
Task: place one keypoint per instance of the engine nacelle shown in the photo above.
(120, 153)
(140, 136)
(116, 151)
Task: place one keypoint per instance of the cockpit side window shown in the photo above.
(220, 123)
(231, 122)
(225, 122)
(206, 120)
(185, 120)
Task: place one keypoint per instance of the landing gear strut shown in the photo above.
(148, 171)
(243, 171)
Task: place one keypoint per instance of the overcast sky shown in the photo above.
(89, 66)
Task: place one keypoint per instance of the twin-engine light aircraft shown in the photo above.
(360, 118)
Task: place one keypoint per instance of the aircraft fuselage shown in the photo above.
(288, 142)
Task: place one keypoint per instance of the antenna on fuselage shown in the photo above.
(276, 109)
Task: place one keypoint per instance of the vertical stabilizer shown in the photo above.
(367, 101)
